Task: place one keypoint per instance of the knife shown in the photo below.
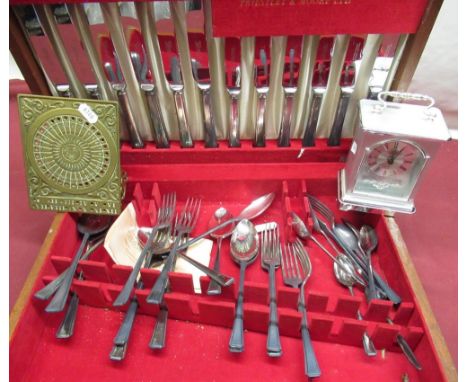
(407, 351)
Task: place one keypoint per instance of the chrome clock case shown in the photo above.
(390, 153)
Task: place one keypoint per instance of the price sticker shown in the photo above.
(88, 113)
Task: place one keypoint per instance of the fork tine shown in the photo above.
(297, 267)
(194, 212)
(284, 260)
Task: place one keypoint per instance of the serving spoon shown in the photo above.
(244, 251)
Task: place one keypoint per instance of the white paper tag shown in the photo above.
(353, 147)
(88, 113)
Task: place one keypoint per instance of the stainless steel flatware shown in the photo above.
(87, 225)
(301, 230)
(344, 275)
(254, 209)
(350, 246)
(244, 250)
(213, 274)
(183, 226)
(271, 260)
(49, 289)
(407, 351)
(166, 213)
(368, 243)
(296, 269)
(220, 215)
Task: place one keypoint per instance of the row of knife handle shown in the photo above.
(141, 104)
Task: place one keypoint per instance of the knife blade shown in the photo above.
(408, 352)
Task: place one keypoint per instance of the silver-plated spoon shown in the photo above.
(368, 242)
(244, 250)
(221, 215)
(345, 276)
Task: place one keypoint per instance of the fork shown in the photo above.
(119, 349)
(271, 259)
(296, 269)
(184, 226)
(165, 216)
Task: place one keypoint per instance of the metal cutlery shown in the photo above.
(368, 243)
(49, 289)
(296, 269)
(183, 226)
(301, 231)
(344, 275)
(219, 216)
(351, 248)
(270, 261)
(87, 225)
(244, 251)
(407, 351)
(166, 213)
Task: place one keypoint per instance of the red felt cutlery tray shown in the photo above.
(199, 327)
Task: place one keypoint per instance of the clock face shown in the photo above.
(393, 158)
(390, 168)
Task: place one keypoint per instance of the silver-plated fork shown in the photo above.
(271, 259)
(165, 215)
(184, 225)
(296, 269)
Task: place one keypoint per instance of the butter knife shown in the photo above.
(407, 351)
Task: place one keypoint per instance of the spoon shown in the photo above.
(220, 216)
(345, 276)
(244, 250)
(301, 230)
(254, 209)
(368, 242)
(87, 225)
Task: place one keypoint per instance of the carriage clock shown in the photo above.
(391, 150)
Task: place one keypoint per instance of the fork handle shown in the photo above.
(236, 343)
(157, 292)
(312, 368)
(125, 329)
(273, 339)
(68, 324)
(58, 302)
(124, 294)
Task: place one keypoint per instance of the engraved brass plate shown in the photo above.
(71, 154)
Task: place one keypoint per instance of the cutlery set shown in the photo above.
(169, 238)
(189, 108)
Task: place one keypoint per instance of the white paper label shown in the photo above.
(88, 113)
(353, 147)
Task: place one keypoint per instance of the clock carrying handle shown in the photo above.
(404, 96)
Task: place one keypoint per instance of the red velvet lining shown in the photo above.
(199, 329)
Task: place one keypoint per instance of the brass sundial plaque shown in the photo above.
(71, 154)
